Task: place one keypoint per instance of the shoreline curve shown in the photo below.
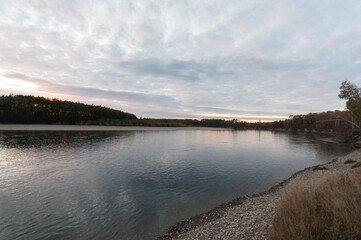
(202, 225)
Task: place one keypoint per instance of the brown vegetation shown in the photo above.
(330, 210)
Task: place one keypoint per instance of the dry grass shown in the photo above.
(332, 210)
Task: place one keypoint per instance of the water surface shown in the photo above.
(134, 184)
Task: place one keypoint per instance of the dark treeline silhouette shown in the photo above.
(158, 122)
(30, 109)
(39, 110)
(331, 121)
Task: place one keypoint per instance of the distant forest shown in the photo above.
(40, 110)
(331, 121)
(30, 109)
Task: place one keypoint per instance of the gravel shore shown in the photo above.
(252, 217)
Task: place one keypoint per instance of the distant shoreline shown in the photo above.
(55, 127)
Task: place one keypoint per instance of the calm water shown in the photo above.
(135, 184)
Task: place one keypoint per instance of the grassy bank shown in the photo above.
(329, 210)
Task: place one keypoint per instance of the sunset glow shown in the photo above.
(16, 86)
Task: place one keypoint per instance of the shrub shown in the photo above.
(239, 201)
(319, 168)
(349, 161)
(356, 165)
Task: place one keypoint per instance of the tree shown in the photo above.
(30, 109)
(352, 94)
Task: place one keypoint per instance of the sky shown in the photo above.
(250, 60)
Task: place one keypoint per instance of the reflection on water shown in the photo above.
(135, 184)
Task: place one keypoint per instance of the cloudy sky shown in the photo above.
(245, 59)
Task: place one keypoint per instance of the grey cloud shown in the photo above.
(236, 112)
(173, 68)
(192, 114)
(187, 58)
(143, 98)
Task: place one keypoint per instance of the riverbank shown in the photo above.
(252, 217)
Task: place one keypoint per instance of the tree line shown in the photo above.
(31, 109)
(331, 121)
(26, 109)
(163, 122)
(337, 121)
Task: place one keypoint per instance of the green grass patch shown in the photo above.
(349, 161)
(356, 165)
(240, 201)
(318, 168)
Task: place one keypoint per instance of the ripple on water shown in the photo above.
(134, 185)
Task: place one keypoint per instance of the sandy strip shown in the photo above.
(253, 218)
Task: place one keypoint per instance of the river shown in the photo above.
(72, 182)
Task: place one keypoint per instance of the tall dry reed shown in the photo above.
(330, 210)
